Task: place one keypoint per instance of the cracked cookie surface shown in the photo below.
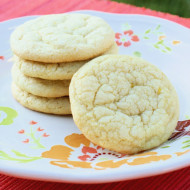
(40, 87)
(62, 38)
(58, 106)
(53, 71)
(123, 103)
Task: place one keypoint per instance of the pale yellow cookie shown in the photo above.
(123, 103)
(40, 87)
(59, 106)
(62, 38)
(53, 71)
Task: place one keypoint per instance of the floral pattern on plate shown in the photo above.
(79, 152)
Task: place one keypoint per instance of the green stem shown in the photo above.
(35, 140)
(20, 160)
(5, 156)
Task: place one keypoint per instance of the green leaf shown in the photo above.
(160, 42)
(126, 26)
(168, 48)
(165, 147)
(29, 160)
(3, 154)
(156, 46)
(186, 141)
(147, 31)
(19, 154)
(186, 146)
(158, 27)
(103, 159)
(160, 33)
(146, 37)
(164, 51)
(11, 114)
(137, 54)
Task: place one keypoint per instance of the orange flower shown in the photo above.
(161, 37)
(33, 122)
(59, 152)
(45, 135)
(26, 141)
(39, 129)
(182, 153)
(175, 42)
(63, 155)
(84, 157)
(86, 149)
(75, 140)
(21, 131)
(2, 57)
(126, 38)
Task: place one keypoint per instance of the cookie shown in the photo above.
(40, 87)
(123, 103)
(62, 38)
(59, 106)
(53, 71)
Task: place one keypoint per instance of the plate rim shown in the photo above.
(105, 176)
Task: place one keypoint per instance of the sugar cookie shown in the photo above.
(40, 87)
(53, 71)
(62, 38)
(123, 103)
(59, 106)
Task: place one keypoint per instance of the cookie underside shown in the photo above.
(58, 106)
(40, 87)
(53, 71)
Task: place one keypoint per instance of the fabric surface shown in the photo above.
(15, 8)
(178, 180)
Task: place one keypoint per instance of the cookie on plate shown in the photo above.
(40, 87)
(59, 106)
(62, 38)
(53, 71)
(123, 103)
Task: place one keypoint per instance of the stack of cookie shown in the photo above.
(48, 51)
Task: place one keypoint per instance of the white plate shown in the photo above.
(53, 148)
